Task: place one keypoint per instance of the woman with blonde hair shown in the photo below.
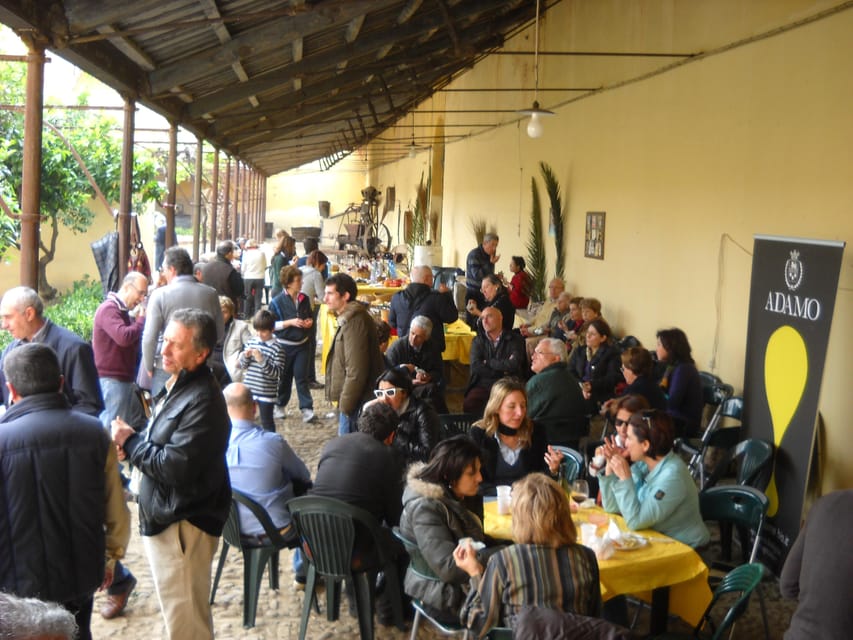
(512, 446)
(546, 567)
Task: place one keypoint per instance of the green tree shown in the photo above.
(65, 188)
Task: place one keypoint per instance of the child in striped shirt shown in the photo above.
(263, 360)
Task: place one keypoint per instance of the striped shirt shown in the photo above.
(564, 579)
(262, 377)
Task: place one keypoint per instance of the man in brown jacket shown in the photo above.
(354, 361)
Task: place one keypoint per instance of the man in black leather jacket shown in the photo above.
(185, 493)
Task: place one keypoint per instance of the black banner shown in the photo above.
(792, 297)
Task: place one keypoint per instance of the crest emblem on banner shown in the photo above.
(793, 271)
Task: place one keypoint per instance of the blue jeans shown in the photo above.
(122, 580)
(296, 360)
(347, 423)
(120, 400)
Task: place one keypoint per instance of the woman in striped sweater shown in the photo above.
(545, 567)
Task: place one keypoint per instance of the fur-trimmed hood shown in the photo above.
(417, 488)
(351, 309)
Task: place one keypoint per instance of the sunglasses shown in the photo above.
(385, 393)
(621, 423)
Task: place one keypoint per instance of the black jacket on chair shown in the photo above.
(418, 432)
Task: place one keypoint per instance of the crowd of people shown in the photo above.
(185, 393)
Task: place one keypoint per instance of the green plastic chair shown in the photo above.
(328, 530)
(572, 466)
(454, 424)
(754, 460)
(255, 555)
(499, 633)
(419, 566)
(743, 580)
(741, 507)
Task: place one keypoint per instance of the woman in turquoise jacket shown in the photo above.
(656, 491)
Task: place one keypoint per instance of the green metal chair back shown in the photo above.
(329, 528)
(754, 460)
(255, 555)
(419, 566)
(572, 466)
(743, 507)
(454, 424)
(743, 580)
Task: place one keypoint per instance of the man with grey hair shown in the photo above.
(554, 397)
(541, 323)
(420, 299)
(419, 356)
(22, 312)
(185, 493)
(479, 264)
(63, 518)
(181, 291)
(116, 335)
(22, 618)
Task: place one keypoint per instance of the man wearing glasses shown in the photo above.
(555, 400)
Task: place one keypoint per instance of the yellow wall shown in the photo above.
(689, 165)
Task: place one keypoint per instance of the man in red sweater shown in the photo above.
(116, 335)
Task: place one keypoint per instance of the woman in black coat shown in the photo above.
(597, 364)
(419, 429)
(497, 296)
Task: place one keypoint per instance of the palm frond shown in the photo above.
(536, 263)
(552, 188)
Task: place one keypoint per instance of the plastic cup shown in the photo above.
(504, 505)
(588, 532)
(504, 490)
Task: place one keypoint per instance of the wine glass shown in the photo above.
(580, 491)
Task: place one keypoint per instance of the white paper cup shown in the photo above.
(504, 505)
(504, 490)
(588, 532)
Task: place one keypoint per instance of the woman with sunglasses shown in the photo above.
(622, 410)
(512, 446)
(419, 429)
(656, 491)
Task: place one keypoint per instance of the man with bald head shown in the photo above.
(495, 354)
(420, 299)
(262, 465)
(22, 312)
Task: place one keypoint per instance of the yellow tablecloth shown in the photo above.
(457, 337)
(659, 564)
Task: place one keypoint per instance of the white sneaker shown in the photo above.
(308, 415)
(279, 412)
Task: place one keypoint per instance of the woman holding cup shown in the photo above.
(655, 490)
(546, 567)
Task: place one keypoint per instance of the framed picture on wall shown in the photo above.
(594, 239)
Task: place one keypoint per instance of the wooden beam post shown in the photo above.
(196, 223)
(31, 175)
(126, 187)
(214, 200)
(171, 182)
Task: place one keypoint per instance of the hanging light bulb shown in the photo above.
(413, 148)
(534, 127)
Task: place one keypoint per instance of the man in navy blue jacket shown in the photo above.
(22, 312)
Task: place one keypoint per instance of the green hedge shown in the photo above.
(74, 310)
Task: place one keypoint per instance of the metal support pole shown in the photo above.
(31, 178)
(171, 183)
(126, 188)
(214, 200)
(196, 223)
(226, 212)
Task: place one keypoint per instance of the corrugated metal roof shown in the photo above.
(277, 83)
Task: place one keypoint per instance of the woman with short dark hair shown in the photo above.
(495, 295)
(435, 517)
(654, 490)
(546, 567)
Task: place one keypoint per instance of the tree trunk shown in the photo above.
(46, 291)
